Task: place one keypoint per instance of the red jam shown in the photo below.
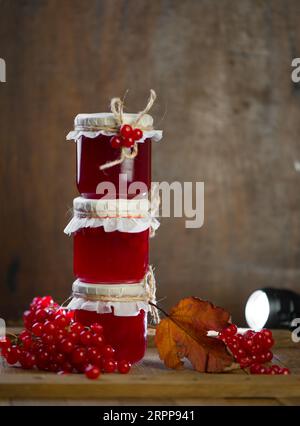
(126, 334)
(93, 152)
(110, 257)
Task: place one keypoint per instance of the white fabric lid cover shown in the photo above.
(121, 299)
(89, 125)
(133, 298)
(122, 215)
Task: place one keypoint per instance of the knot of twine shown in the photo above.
(149, 296)
(117, 109)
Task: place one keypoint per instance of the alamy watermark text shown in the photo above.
(2, 71)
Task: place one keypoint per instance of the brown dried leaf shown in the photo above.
(184, 334)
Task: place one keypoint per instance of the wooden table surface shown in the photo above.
(151, 383)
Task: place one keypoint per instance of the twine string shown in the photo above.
(150, 102)
(105, 298)
(117, 107)
(126, 153)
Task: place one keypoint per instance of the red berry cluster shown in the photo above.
(252, 350)
(126, 137)
(53, 341)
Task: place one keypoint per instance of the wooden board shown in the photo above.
(150, 382)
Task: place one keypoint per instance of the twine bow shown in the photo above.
(117, 109)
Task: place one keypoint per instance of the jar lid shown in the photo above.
(121, 299)
(125, 300)
(110, 290)
(122, 215)
(109, 123)
(107, 119)
(111, 207)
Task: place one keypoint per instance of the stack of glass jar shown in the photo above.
(111, 225)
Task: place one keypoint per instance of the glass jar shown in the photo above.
(127, 335)
(91, 153)
(94, 149)
(110, 257)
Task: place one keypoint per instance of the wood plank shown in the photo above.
(149, 402)
(288, 358)
(229, 402)
(283, 339)
(37, 402)
(5, 402)
(289, 401)
(150, 382)
(170, 385)
(149, 379)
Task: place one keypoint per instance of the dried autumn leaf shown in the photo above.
(184, 334)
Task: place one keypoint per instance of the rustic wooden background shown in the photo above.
(231, 119)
